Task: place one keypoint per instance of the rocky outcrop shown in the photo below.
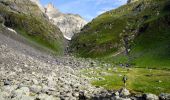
(69, 24)
(21, 6)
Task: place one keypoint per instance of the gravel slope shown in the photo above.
(27, 73)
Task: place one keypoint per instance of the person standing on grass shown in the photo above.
(124, 80)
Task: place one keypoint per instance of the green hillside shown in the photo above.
(142, 29)
(27, 19)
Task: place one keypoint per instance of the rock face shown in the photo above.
(69, 24)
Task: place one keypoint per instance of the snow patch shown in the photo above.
(68, 38)
(12, 30)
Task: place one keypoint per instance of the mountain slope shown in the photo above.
(133, 32)
(25, 17)
(39, 4)
(69, 24)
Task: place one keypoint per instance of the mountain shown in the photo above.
(138, 32)
(27, 71)
(69, 24)
(28, 19)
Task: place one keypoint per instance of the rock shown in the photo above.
(35, 81)
(75, 94)
(44, 88)
(25, 90)
(150, 97)
(124, 92)
(22, 93)
(24, 97)
(82, 96)
(134, 98)
(7, 82)
(51, 82)
(46, 97)
(116, 93)
(118, 98)
(124, 99)
(164, 96)
(35, 88)
(4, 95)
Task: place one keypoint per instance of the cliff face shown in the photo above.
(69, 24)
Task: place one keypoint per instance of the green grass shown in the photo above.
(140, 80)
(51, 46)
(151, 49)
(147, 20)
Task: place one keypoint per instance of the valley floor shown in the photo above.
(31, 74)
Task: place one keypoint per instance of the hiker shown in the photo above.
(124, 80)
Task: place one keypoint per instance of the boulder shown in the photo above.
(35, 81)
(35, 88)
(124, 92)
(82, 96)
(7, 82)
(47, 97)
(3, 95)
(22, 91)
(24, 97)
(164, 96)
(116, 93)
(150, 97)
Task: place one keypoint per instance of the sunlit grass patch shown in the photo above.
(139, 79)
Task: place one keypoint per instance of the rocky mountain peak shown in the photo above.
(51, 9)
(69, 24)
(50, 6)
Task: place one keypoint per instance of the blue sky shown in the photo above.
(88, 9)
